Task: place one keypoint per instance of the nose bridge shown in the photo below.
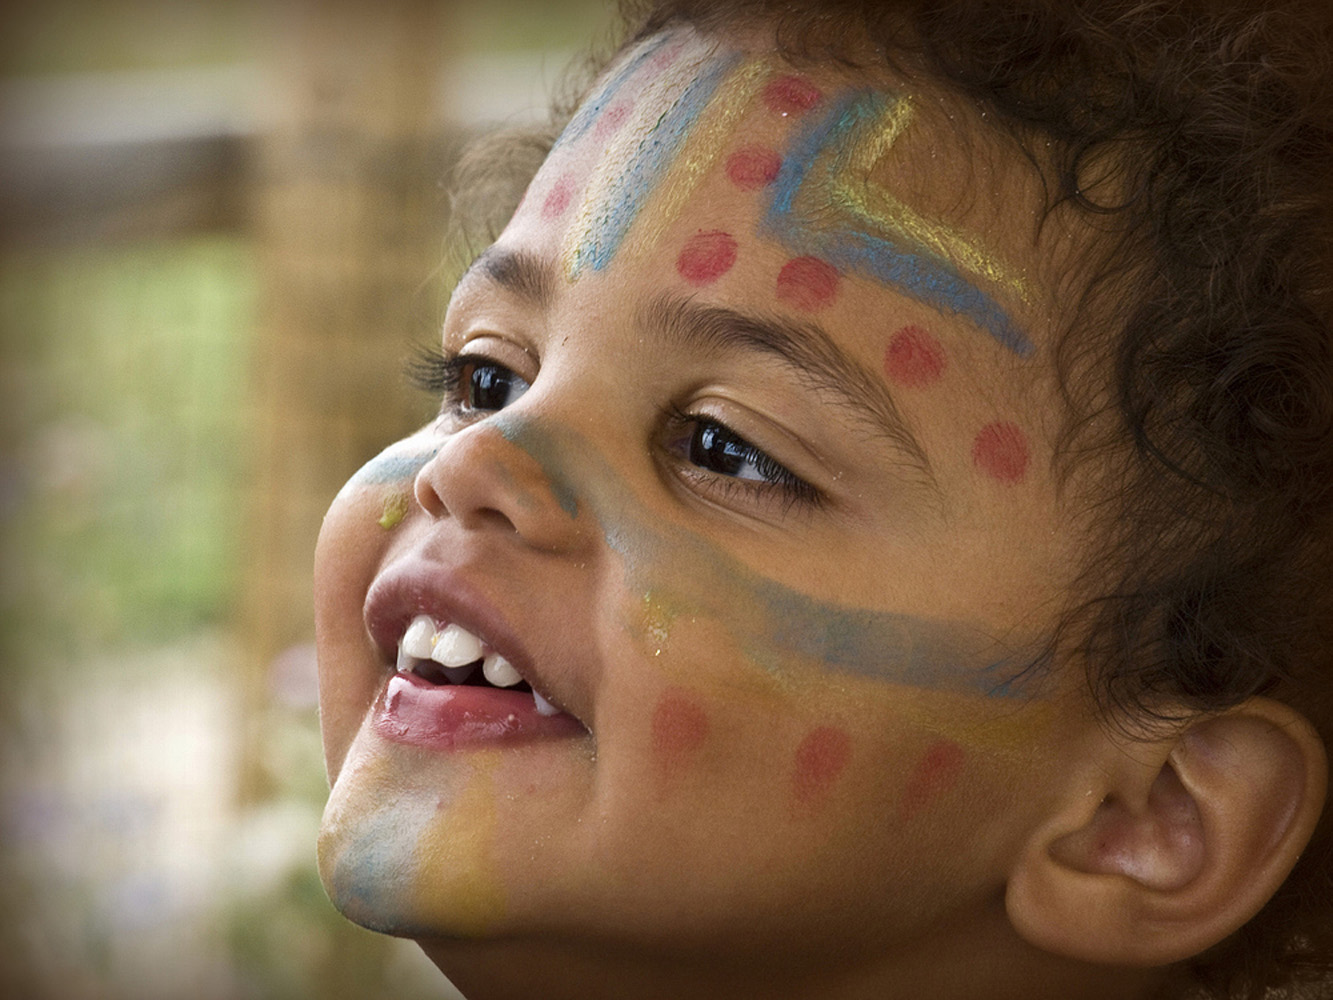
(485, 480)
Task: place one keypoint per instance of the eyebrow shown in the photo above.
(518, 272)
(817, 361)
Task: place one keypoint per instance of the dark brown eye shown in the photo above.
(489, 386)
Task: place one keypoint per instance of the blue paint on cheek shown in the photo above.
(514, 430)
(392, 467)
(777, 626)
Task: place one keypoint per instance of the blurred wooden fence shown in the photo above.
(336, 169)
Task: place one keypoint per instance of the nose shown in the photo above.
(487, 483)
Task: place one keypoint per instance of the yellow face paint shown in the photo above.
(710, 136)
(454, 856)
(396, 505)
(876, 209)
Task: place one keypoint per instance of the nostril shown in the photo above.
(426, 494)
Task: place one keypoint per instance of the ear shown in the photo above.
(1164, 847)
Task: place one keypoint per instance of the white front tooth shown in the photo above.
(406, 661)
(544, 707)
(419, 638)
(456, 647)
(499, 671)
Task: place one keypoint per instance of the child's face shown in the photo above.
(748, 471)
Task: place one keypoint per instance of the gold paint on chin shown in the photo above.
(456, 876)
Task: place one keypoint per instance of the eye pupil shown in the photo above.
(714, 448)
(492, 387)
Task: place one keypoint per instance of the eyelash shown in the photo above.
(444, 376)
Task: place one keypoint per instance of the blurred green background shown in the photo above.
(223, 227)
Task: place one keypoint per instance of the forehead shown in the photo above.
(698, 144)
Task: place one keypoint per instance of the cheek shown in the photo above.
(679, 731)
(819, 761)
(933, 776)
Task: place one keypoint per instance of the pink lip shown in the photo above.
(452, 717)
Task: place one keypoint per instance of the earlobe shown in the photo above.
(1168, 846)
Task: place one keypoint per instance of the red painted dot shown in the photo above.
(679, 728)
(558, 198)
(934, 775)
(663, 59)
(914, 358)
(753, 167)
(791, 95)
(1000, 450)
(610, 120)
(807, 283)
(820, 759)
(706, 257)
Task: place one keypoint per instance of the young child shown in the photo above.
(875, 539)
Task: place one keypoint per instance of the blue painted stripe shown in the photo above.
(625, 197)
(592, 109)
(391, 468)
(915, 270)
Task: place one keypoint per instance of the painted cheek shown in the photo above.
(807, 284)
(790, 95)
(706, 257)
(753, 167)
(679, 729)
(819, 761)
(396, 506)
(914, 359)
(1000, 450)
(935, 774)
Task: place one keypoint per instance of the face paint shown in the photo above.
(453, 857)
(807, 284)
(777, 628)
(679, 730)
(818, 763)
(914, 359)
(791, 95)
(396, 505)
(706, 257)
(650, 53)
(934, 775)
(878, 237)
(558, 198)
(753, 167)
(391, 466)
(1000, 450)
(627, 176)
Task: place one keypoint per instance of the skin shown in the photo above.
(810, 753)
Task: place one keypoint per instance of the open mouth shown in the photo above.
(451, 691)
(451, 655)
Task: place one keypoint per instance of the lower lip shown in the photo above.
(454, 717)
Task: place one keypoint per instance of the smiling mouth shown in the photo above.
(450, 691)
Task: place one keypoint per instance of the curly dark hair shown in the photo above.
(1198, 136)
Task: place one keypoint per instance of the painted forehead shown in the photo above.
(669, 115)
